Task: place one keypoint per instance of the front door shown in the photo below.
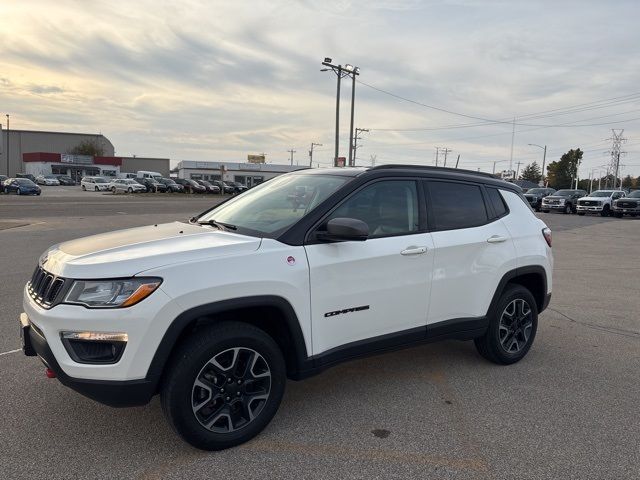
(361, 290)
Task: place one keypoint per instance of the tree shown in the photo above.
(637, 184)
(560, 172)
(532, 173)
(627, 182)
(87, 147)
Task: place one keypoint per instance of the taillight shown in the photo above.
(546, 233)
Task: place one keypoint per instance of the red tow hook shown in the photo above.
(49, 373)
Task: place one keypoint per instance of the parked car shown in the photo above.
(26, 175)
(209, 186)
(47, 180)
(535, 195)
(599, 202)
(151, 184)
(565, 201)
(21, 186)
(172, 186)
(628, 205)
(126, 185)
(148, 310)
(3, 178)
(66, 180)
(97, 184)
(238, 187)
(191, 186)
(224, 187)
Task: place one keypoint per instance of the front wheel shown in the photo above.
(130, 190)
(618, 215)
(19, 192)
(512, 327)
(605, 211)
(566, 209)
(113, 189)
(84, 188)
(96, 189)
(224, 385)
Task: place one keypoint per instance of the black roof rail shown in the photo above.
(432, 168)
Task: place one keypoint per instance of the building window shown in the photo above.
(196, 176)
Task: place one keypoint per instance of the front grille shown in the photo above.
(553, 202)
(587, 203)
(44, 287)
(627, 204)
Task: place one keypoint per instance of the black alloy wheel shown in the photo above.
(224, 385)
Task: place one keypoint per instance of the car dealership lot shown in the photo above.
(568, 410)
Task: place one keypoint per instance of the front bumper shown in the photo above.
(127, 393)
(591, 208)
(554, 206)
(626, 210)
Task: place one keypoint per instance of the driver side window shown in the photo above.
(388, 207)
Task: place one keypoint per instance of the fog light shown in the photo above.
(94, 347)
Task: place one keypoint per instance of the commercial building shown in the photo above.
(249, 174)
(36, 152)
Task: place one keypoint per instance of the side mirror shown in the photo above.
(345, 229)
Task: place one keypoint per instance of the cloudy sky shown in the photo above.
(206, 80)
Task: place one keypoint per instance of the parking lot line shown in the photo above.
(11, 351)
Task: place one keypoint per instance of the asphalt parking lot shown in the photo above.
(568, 410)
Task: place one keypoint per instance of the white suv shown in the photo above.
(97, 184)
(320, 266)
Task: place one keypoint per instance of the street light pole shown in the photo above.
(355, 71)
(544, 160)
(311, 153)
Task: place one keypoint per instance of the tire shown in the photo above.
(84, 188)
(191, 364)
(618, 215)
(567, 209)
(581, 214)
(545, 211)
(18, 191)
(96, 189)
(130, 190)
(113, 189)
(497, 344)
(605, 212)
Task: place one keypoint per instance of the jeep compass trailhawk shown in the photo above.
(321, 266)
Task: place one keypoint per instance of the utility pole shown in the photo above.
(311, 153)
(292, 151)
(457, 160)
(8, 144)
(355, 143)
(341, 72)
(518, 171)
(542, 182)
(437, 152)
(445, 150)
(616, 143)
(513, 136)
(352, 152)
(373, 160)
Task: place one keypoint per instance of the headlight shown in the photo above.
(562, 200)
(111, 293)
(599, 204)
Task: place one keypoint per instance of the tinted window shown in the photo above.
(497, 201)
(388, 207)
(457, 205)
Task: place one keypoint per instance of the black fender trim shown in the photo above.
(201, 315)
(515, 273)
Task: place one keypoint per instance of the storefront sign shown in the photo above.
(76, 159)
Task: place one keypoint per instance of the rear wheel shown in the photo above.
(224, 385)
(512, 328)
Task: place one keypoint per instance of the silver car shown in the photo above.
(126, 185)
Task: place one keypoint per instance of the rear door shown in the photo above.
(362, 290)
(473, 249)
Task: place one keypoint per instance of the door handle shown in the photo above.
(413, 250)
(496, 239)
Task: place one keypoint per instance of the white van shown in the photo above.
(126, 175)
(145, 174)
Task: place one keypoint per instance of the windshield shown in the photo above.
(100, 180)
(168, 181)
(129, 182)
(565, 193)
(601, 193)
(52, 177)
(634, 194)
(277, 204)
(537, 190)
(24, 181)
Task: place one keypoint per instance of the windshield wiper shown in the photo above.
(219, 225)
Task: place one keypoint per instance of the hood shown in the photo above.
(597, 199)
(556, 197)
(533, 195)
(125, 253)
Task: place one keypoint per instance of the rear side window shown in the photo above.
(497, 202)
(457, 205)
